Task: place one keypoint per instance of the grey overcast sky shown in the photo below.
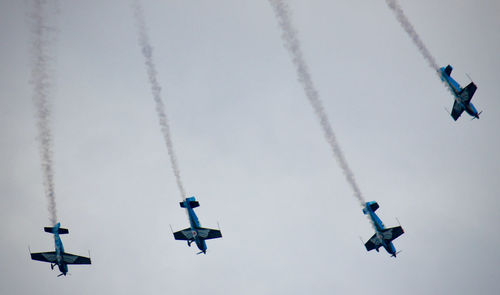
(251, 150)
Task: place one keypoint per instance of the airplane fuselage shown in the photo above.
(456, 89)
(379, 227)
(63, 267)
(195, 225)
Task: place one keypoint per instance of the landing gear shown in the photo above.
(52, 266)
(189, 243)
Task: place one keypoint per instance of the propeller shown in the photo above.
(476, 116)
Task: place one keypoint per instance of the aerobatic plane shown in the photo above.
(59, 257)
(383, 236)
(463, 96)
(195, 233)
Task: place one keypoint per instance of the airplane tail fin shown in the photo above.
(448, 70)
(396, 254)
(373, 206)
(59, 230)
(192, 204)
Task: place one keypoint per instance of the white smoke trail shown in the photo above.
(42, 82)
(292, 44)
(408, 27)
(147, 52)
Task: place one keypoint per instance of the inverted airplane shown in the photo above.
(59, 257)
(383, 237)
(463, 96)
(195, 233)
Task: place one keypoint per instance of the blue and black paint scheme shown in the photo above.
(195, 233)
(383, 237)
(463, 96)
(59, 257)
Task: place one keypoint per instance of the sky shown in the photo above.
(251, 150)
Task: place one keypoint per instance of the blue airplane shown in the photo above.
(195, 233)
(59, 257)
(383, 236)
(463, 96)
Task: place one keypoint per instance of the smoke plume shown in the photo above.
(147, 52)
(42, 81)
(292, 44)
(408, 27)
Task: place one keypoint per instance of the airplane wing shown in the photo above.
(392, 233)
(207, 233)
(457, 110)
(467, 93)
(75, 259)
(185, 234)
(44, 256)
(372, 243)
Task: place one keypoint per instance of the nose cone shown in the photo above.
(471, 110)
(392, 250)
(201, 245)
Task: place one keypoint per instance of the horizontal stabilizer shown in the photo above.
(374, 206)
(192, 204)
(60, 231)
(448, 70)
